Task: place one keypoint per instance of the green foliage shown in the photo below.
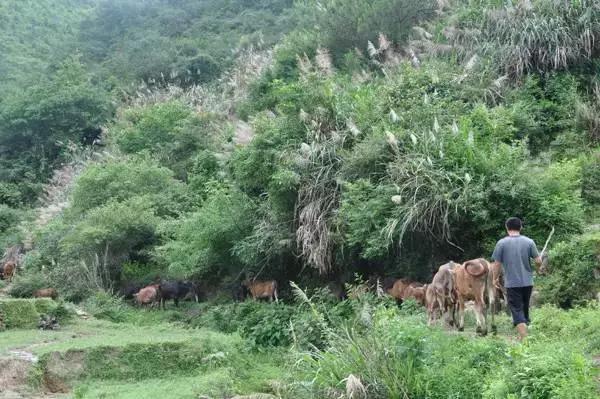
(400, 357)
(36, 124)
(26, 283)
(532, 36)
(120, 180)
(543, 370)
(19, 313)
(170, 131)
(346, 24)
(590, 181)
(202, 242)
(187, 42)
(105, 306)
(573, 266)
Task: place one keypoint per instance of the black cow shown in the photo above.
(177, 290)
(239, 292)
(128, 290)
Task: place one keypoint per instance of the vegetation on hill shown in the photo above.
(310, 141)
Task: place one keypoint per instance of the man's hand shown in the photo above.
(542, 270)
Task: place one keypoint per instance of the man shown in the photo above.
(514, 252)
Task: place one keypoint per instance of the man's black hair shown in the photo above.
(514, 224)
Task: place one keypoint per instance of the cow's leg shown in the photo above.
(276, 298)
(480, 312)
(461, 314)
(492, 305)
(176, 301)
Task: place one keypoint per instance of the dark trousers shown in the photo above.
(518, 303)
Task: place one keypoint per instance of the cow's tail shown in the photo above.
(476, 263)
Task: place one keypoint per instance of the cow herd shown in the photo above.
(452, 285)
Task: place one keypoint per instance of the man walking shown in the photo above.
(514, 252)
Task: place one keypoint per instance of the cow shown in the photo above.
(337, 290)
(415, 291)
(149, 295)
(128, 290)
(440, 294)
(8, 271)
(261, 289)
(496, 284)
(396, 288)
(177, 290)
(238, 292)
(471, 280)
(46, 293)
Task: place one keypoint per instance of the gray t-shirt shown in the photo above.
(514, 252)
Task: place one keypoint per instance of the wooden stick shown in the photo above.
(547, 241)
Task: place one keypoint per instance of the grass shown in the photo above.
(83, 334)
(217, 383)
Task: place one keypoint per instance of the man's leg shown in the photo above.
(526, 297)
(515, 303)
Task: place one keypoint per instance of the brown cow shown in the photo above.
(496, 289)
(397, 288)
(261, 289)
(415, 291)
(471, 280)
(440, 295)
(8, 271)
(148, 295)
(46, 293)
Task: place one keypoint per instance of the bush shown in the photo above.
(266, 325)
(346, 24)
(26, 283)
(201, 243)
(172, 132)
(125, 179)
(573, 265)
(399, 356)
(19, 313)
(105, 306)
(543, 370)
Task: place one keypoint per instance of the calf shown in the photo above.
(8, 271)
(496, 289)
(262, 289)
(471, 280)
(46, 293)
(415, 291)
(177, 290)
(148, 295)
(337, 290)
(440, 294)
(396, 288)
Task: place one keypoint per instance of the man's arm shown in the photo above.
(533, 253)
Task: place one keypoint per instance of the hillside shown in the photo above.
(322, 142)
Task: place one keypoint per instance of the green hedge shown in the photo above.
(25, 313)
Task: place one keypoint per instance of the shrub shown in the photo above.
(125, 179)
(533, 36)
(26, 283)
(170, 131)
(346, 24)
(202, 242)
(105, 306)
(19, 313)
(267, 325)
(573, 265)
(543, 370)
